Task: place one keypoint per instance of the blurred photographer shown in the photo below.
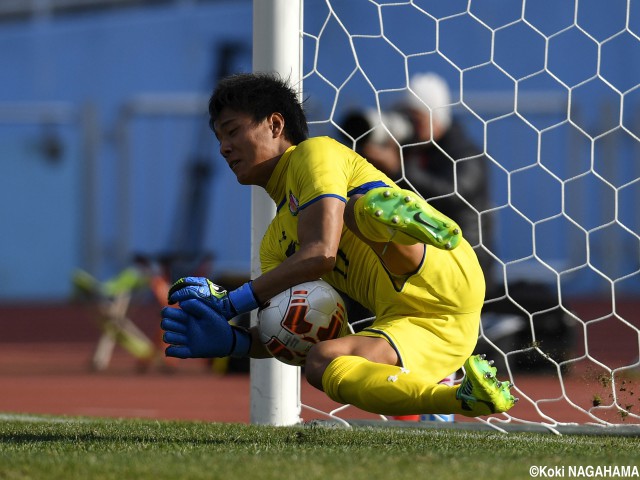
(422, 144)
(378, 137)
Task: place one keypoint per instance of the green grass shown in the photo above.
(118, 449)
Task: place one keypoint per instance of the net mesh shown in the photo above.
(548, 94)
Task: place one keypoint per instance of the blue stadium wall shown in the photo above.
(106, 60)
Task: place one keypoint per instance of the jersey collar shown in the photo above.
(276, 184)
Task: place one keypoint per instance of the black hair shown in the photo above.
(354, 127)
(260, 95)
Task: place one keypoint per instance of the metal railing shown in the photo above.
(11, 10)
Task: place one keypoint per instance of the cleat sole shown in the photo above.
(402, 211)
(481, 392)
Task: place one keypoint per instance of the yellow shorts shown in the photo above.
(433, 321)
(434, 352)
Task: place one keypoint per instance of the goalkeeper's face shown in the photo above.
(251, 148)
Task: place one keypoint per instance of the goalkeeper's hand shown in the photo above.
(196, 331)
(227, 304)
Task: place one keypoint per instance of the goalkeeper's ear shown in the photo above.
(276, 123)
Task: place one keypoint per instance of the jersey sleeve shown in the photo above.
(270, 256)
(321, 168)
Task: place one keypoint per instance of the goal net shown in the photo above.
(534, 145)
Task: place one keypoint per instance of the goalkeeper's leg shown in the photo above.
(392, 390)
(387, 389)
(400, 245)
(400, 216)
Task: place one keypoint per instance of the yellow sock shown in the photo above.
(386, 389)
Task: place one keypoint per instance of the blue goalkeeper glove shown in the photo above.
(195, 330)
(227, 304)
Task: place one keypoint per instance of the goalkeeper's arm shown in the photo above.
(319, 233)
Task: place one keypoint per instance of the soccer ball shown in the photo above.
(301, 316)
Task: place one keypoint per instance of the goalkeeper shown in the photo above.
(340, 219)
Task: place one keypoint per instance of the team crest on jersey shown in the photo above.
(293, 204)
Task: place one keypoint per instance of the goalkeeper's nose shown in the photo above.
(225, 148)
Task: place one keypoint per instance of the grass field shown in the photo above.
(67, 448)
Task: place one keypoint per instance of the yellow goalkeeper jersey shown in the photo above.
(322, 167)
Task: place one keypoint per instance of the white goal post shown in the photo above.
(277, 47)
(550, 92)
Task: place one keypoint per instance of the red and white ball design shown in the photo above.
(301, 316)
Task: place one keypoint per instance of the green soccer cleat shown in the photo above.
(404, 212)
(480, 392)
